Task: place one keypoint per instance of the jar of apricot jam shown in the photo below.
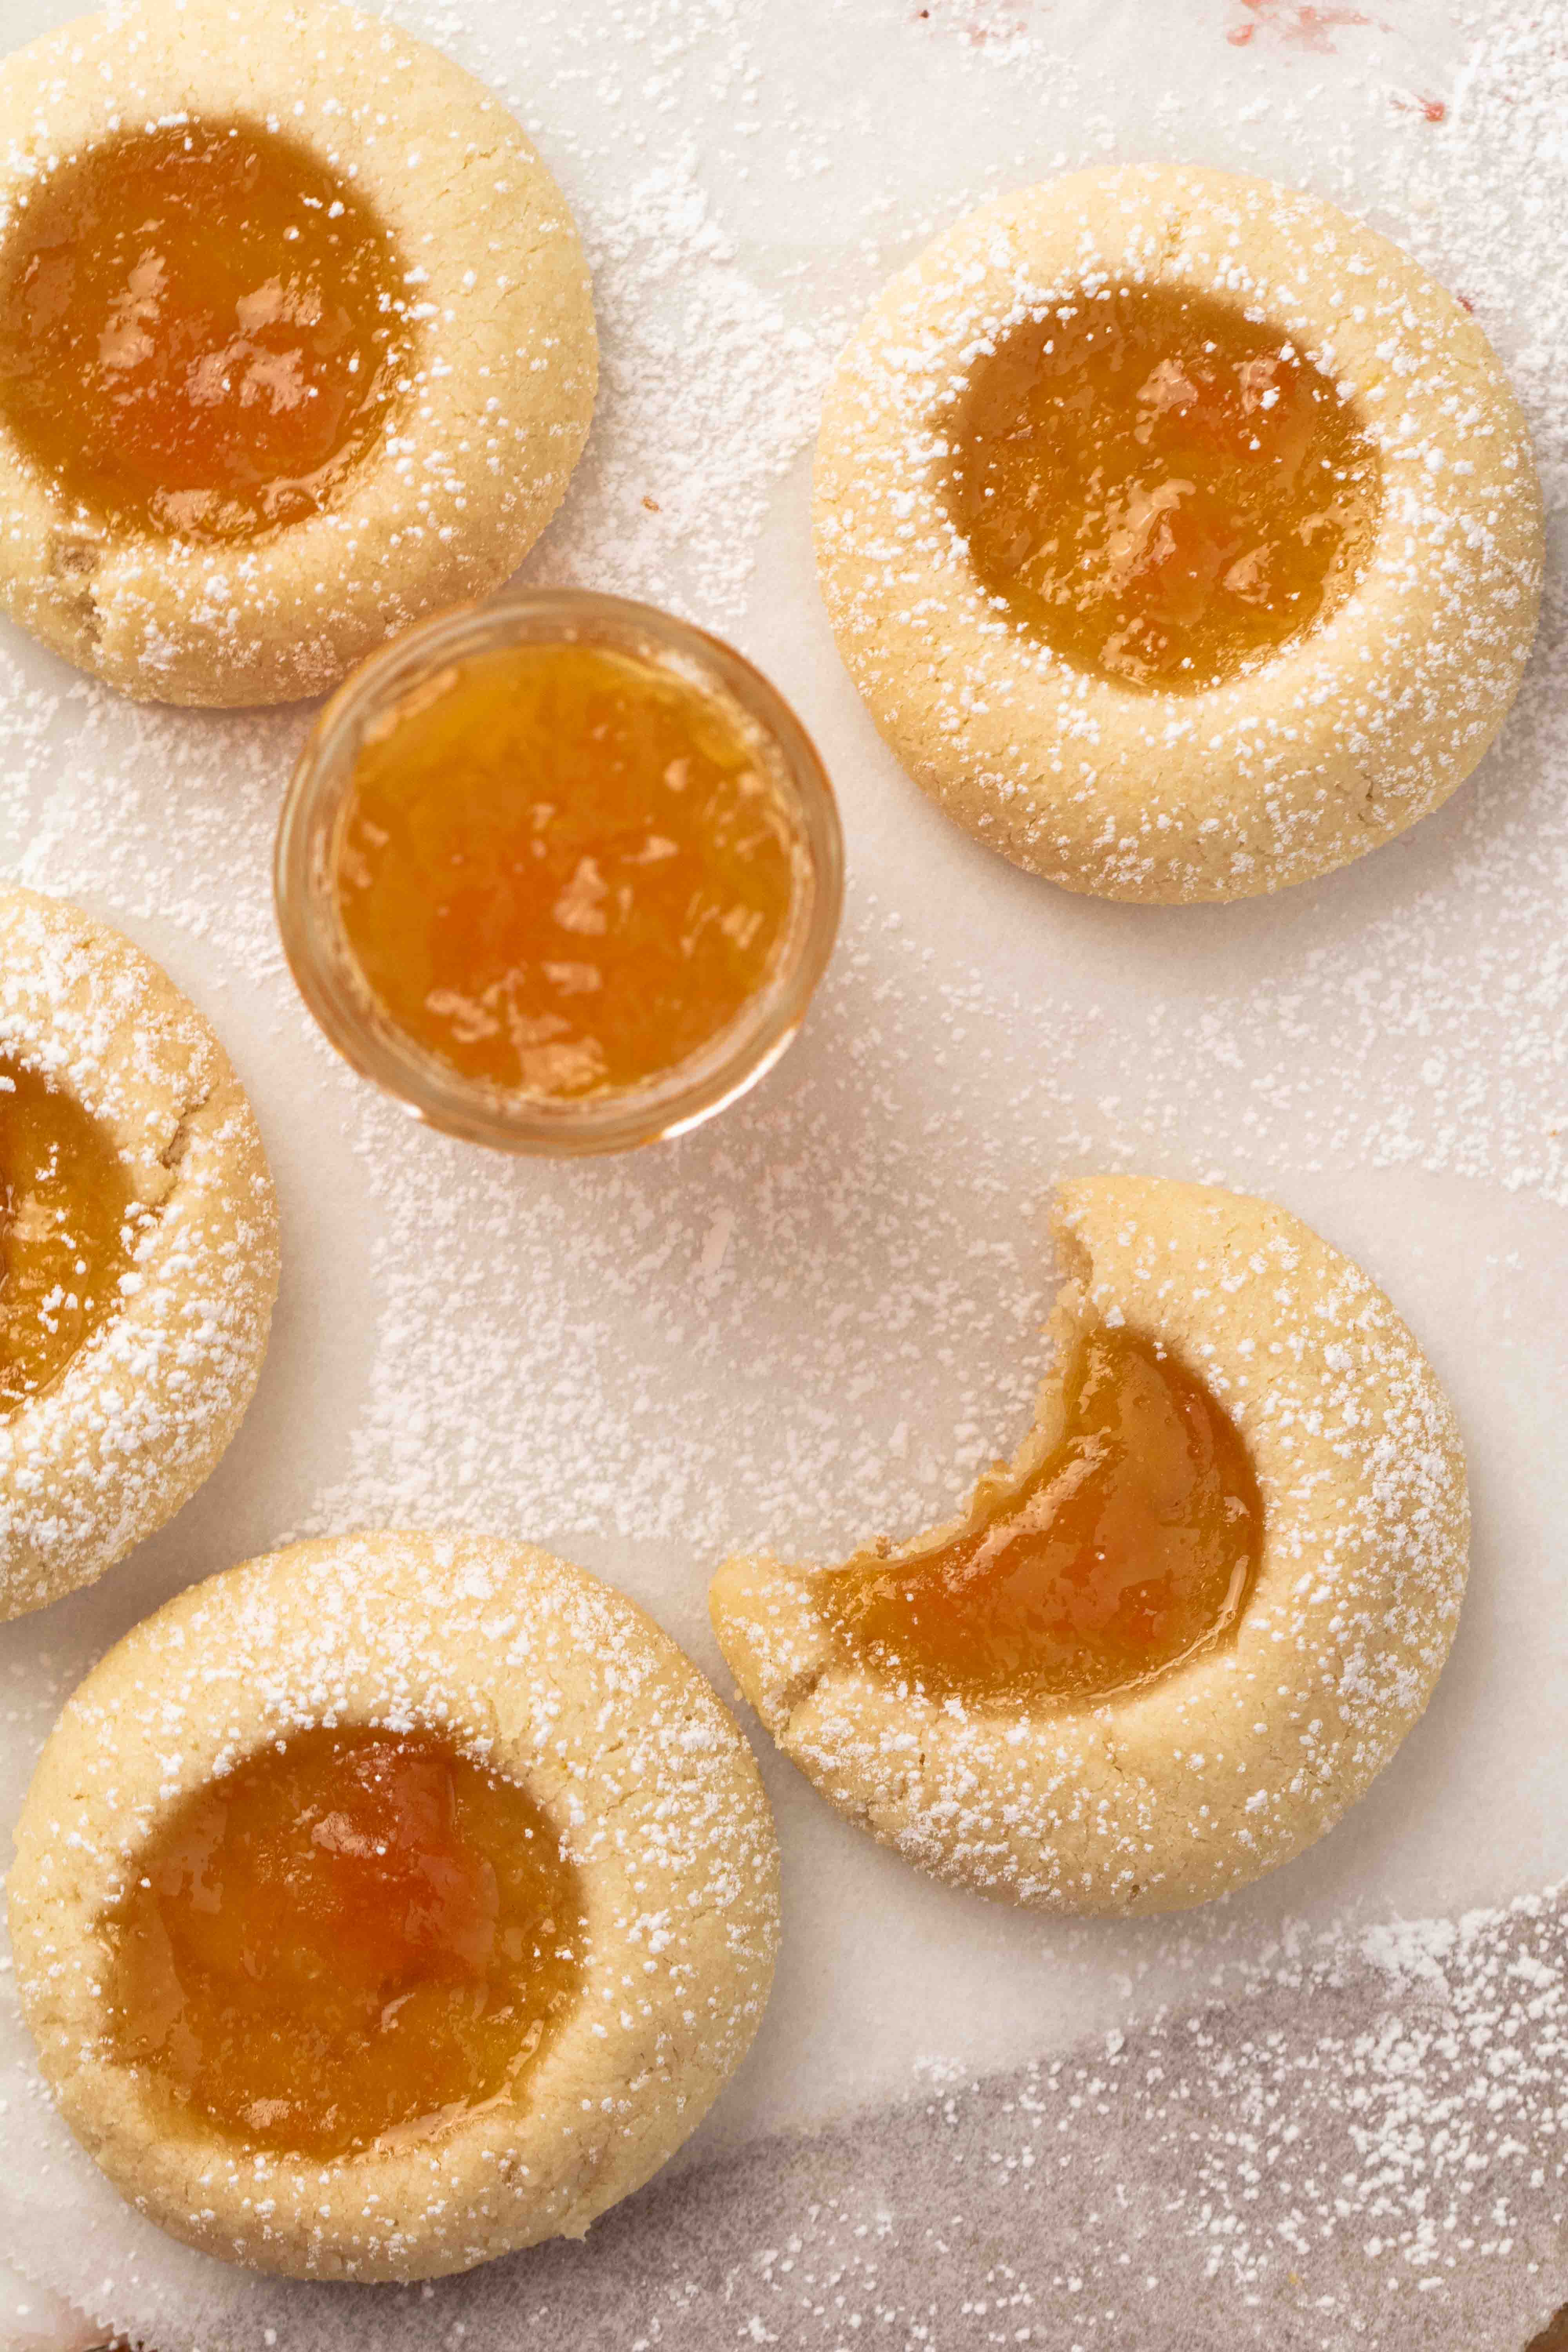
(560, 872)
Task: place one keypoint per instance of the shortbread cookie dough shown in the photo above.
(138, 1249)
(544, 1679)
(1198, 1777)
(1113, 650)
(296, 343)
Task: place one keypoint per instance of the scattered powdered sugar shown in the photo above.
(720, 386)
(817, 1318)
(1348, 2150)
(782, 1266)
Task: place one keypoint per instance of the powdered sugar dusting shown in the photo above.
(642, 1365)
(1338, 2153)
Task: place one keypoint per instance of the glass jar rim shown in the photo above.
(335, 990)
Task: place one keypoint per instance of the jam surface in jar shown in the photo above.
(1164, 491)
(354, 1932)
(563, 869)
(67, 1229)
(199, 330)
(1133, 1544)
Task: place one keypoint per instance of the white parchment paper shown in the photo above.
(820, 1315)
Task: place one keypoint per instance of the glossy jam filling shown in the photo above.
(199, 330)
(1164, 491)
(353, 1933)
(1133, 1544)
(563, 869)
(67, 1228)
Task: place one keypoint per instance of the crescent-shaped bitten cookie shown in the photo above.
(1168, 1646)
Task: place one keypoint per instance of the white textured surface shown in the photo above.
(819, 1315)
(33, 2321)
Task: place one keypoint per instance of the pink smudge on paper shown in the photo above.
(1295, 25)
(978, 21)
(1436, 109)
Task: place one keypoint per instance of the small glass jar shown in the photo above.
(316, 813)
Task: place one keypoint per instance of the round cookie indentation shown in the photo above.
(354, 1932)
(199, 330)
(539, 1676)
(428, 489)
(1311, 750)
(1163, 489)
(1167, 1792)
(120, 1395)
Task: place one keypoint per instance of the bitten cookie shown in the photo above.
(1045, 1699)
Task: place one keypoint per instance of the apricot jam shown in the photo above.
(1164, 491)
(1130, 1547)
(199, 330)
(68, 1227)
(563, 868)
(353, 1933)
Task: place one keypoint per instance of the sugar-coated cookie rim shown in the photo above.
(1380, 710)
(604, 2109)
(287, 613)
(1080, 1809)
(81, 1004)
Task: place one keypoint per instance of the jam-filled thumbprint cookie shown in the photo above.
(390, 1903)
(1169, 1644)
(296, 343)
(138, 1249)
(1182, 534)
